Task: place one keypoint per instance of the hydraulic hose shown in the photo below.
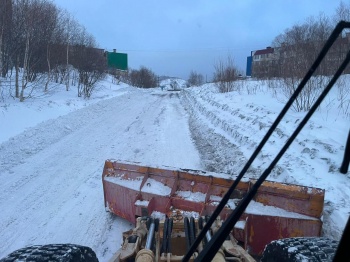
(187, 233)
(165, 237)
(150, 236)
(170, 229)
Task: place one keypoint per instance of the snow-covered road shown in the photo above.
(50, 174)
(51, 190)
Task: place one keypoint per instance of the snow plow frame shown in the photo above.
(283, 210)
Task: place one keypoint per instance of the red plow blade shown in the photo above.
(278, 210)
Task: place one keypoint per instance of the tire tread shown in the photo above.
(311, 249)
(53, 253)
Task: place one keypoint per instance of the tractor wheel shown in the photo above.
(311, 249)
(54, 252)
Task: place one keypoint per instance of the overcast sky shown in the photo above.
(173, 37)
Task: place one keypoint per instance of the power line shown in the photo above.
(202, 49)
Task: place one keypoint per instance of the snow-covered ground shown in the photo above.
(53, 148)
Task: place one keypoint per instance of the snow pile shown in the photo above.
(141, 203)
(170, 83)
(156, 187)
(125, 182)
(261, 209)
(227, 127)
(191, 196)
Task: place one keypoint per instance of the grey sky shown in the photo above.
(174, 37)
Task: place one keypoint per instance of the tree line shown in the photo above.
(297, 48)
(40, 43)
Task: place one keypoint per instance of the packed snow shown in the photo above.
(191, 196)
(53, 148)
(152, 186)
(261, 209)
(128, 183)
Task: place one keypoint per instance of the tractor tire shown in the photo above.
(53, 252)
(310, 249)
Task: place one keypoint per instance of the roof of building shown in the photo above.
(268, 50)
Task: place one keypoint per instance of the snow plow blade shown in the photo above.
(277, 211)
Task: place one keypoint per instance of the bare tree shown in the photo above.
(28, 27)
(68, 30)
(343, 96)
(195, 79)
(143, 77)
(71, 32)
(118, 75)
(17, 40)
(226, 74)
(298, 48)
(5, 34)
(38, 40)
(50, 35)
(89, 61)
(37, 30)
(342, 12)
